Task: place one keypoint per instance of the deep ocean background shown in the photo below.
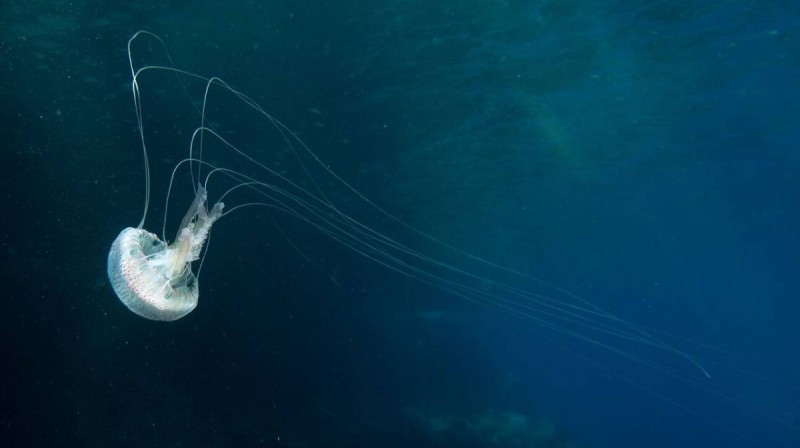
(643, 155)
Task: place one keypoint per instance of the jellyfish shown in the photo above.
(154, 278)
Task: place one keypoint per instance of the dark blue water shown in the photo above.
(642, 155)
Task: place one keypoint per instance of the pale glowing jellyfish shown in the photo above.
(155, 280)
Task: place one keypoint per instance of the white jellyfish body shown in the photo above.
(155, 279)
